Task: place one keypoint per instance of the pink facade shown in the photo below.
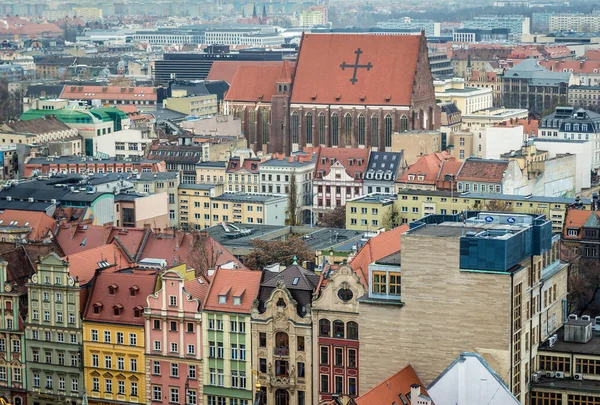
(173, 342)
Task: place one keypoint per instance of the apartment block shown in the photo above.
(515, 297)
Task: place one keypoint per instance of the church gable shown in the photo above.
(356, 69)
(254, 83)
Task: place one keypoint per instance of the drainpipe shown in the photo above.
(530, 323)
(512, 324)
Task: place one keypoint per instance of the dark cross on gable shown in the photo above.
(356, 66)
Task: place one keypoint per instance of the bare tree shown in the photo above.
(392, 218)
(292, 209)
(204, 255)
(268, 252)
(335, 218)
(584, 284)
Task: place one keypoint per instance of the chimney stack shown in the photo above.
(415, 391)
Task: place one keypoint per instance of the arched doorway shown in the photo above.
(282, 397)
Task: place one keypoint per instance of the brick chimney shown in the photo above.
(178, 238)
(107, 229)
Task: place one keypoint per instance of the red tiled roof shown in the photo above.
(38, 223)
(83, 264)
(377, 248)
(236, 281)
(572, 65)
(100, 295)
(592, 54)
(486, 170)
(253, 83)
(320, 78)
(128, 108)
(109, 93)
(428, 166)
(449, 166)
(197, 288)
(178, 247)
(575, 219)
(342, 155)
(388, 391)
(223, 70)
(249, 165)
(530, 126)
(73, 238)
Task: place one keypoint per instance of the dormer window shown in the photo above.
(323, 161)
(97, 307)
(117, 309)
(421, 177)
(237, 297)
(112, 288)
(411, 177)
(222, 297)
(572, 232)
(137, 311)
(134, 290)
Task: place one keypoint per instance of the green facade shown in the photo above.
(227, 358)
(53, 335)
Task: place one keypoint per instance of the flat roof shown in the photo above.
(375, 198)
(244, 197)
(592, 347)
(205, 187)
(504, 197)
(567, 384)
(316, 238)
(459, 229)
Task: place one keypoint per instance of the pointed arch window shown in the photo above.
(404, 123)
(375, 131)
(348, 129)
(295, 127)
(251, 126)
(335, 129)
(388, 131)
(361, 129)
(309, 128)
(322, 129)
(265, 126)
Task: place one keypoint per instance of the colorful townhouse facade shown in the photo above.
(173, 343)
(53, 335)
(227, 337)
(114, 337)
(281, 337)
(12, 340)
(335, 338)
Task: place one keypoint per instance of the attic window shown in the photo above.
(360, 162)
(323, 161)
(314, 96)
(223, 295)
(133, 290)
(98, 307)
(237, 297)
(112, 288)
(411, 177)
(117, 309)
(296, 280)
(421, 177)
(363, 97)
(388, 98)
(281, 303)
(338, 97)
(137, 311)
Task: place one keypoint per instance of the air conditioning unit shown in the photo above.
(552, 340)
(535, 378)
(559, 374)
(573, 317)
(585, 318)
(578, 376)
(549, 374)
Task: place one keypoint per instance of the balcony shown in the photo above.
(282, 351)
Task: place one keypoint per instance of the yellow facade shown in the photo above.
(199, 106)
(367, 213)
(114, 365)
(213, 174)
(415, 204)
(194, 202)
(238, 212)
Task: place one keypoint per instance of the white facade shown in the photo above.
(491, 142)
(124, 143)
(469, 380)
(334, 189)
(581, 150)
(492, 116)
(275, 179)
(275, 211)
(573, 22)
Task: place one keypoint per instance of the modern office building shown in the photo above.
(574, 22)
(195, 66)
(431, 28)
(516, 24)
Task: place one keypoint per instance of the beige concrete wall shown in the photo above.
(431, 330)
(416, 143)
